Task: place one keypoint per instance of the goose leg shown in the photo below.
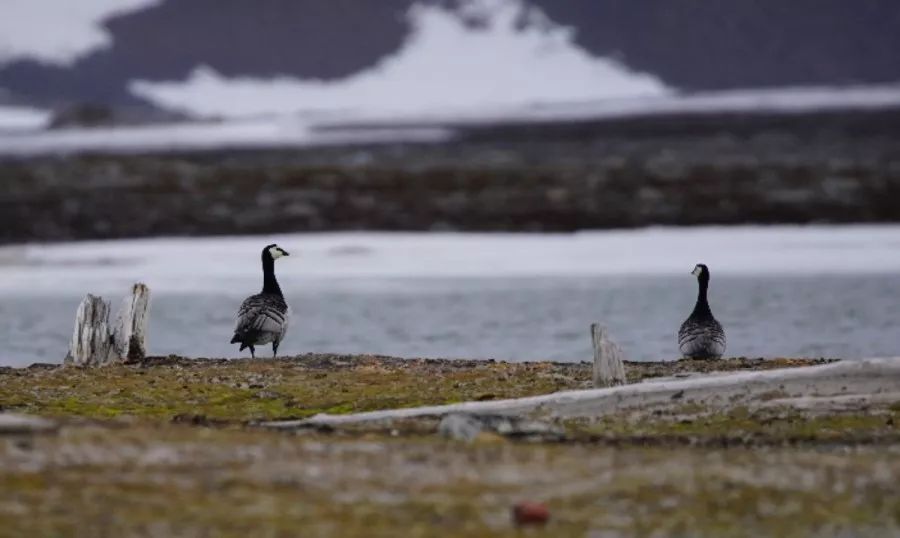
(252, 352)
(275, 350)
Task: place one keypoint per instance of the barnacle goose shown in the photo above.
(701, 336)
(263, 318)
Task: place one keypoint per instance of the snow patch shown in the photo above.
(243, 133)
(366, 127)
(58, 32)
(514, 56)
(16, 119)
(213, 264)
(791, 100)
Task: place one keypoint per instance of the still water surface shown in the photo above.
(518, 318)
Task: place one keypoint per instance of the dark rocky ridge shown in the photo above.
(710, 169)
(695, 46)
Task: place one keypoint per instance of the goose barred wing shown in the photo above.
(704, 338)
(261, 314)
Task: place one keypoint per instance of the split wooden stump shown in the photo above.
(609, 365)
(96, 343)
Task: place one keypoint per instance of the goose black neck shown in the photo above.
(702, 306)
(270, 283)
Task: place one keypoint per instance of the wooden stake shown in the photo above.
(609, 368)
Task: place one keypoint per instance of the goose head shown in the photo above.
(273, 252)
(701, 272)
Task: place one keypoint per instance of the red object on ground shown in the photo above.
(530, 513)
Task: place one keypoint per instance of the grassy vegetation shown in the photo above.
(175, 480)
(159, 469)
(769, 426)
(167, 388)
(247, 390)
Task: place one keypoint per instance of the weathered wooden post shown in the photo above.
(95, 343)
(609, 368)
(130, 334)
(90, 339)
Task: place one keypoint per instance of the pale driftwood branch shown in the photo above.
(95, 343)
(609, 366)
(863, 377)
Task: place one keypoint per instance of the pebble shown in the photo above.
(460, 427)
(530, 513)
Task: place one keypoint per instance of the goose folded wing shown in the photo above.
(261, 314)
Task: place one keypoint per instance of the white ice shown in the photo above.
(444, 65)
(17, 119)
(58, 32)
(791, 100)
(438, 125)
(209, 264)
(270, 132)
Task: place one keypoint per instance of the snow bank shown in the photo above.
(15, 119)
(211, 264)
(58, 32)
(245, 133)
(750, 101)
(516, 57)
(435, 125)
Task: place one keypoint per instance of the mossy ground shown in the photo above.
(159, 469)
(245, 390)
(743, 426)
(177, 480)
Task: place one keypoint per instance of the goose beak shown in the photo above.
(286, 253)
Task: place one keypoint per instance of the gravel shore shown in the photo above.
(678, 170)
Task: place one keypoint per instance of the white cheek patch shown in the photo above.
(275, 252)
(696, 271)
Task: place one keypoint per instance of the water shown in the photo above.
(778, 290)
(515, 318)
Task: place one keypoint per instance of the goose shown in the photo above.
(263, 318)
(701, 336)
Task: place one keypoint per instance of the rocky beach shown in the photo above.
(677, 169)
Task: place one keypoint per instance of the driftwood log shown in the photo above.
(609, 366)
(96, 343)
(828, 384)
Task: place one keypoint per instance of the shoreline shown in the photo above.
(809, 167)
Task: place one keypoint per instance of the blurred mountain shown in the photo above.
(689, 45)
